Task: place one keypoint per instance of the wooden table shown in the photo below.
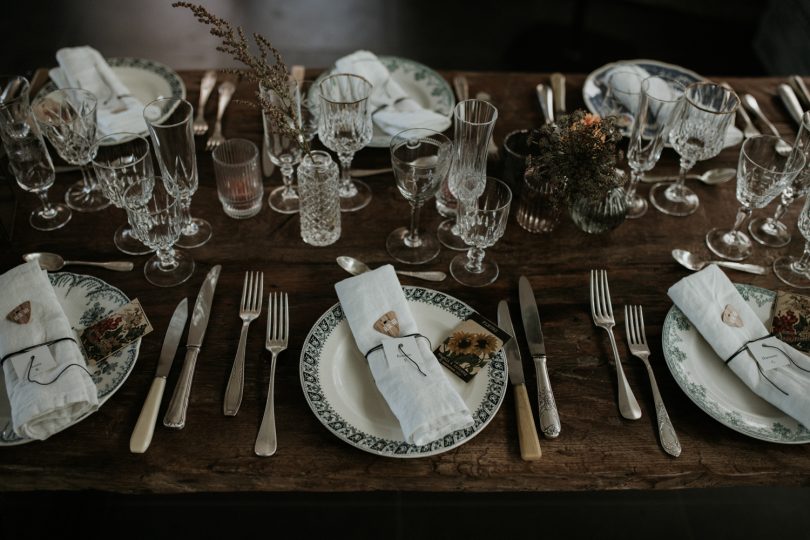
(597, 450)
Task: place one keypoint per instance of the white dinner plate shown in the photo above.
(85, 300)
(706, 379)
(340, 389)
(595, 86)
(422, 84)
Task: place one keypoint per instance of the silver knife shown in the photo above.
(547, 407)
(145, 426)
(527, 434)
(545, 98)
(558, 89)
(801, 89)
(176, 414)
(791, 102)
(461, 87)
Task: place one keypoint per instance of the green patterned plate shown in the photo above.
(713, 387)
(341, 392)
(85, 300)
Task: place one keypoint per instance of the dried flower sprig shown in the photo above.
(269, 76)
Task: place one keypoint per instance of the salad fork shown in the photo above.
(249, 310)
(602, 313)
(206, 85)
(637, 341)
(225, 90)
(278, 331)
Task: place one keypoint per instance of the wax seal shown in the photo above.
(20, 314)
(731, 317)
(388, 324)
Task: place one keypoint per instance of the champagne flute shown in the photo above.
(282, 147)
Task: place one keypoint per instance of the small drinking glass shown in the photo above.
(239, 181)
(698, 133)
(482, 223)
(156, 215)
(345, 127)
(68, 119)
(282, 147)
(170, 122)
(761, 174)
(28, 157)
(795, 271)
(117, 166)
(420, 159)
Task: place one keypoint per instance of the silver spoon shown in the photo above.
(694, 262)
(53, 262)
(782, 148)
(354, 267)
(711, 177)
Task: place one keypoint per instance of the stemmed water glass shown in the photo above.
(482, 223)
(761, 174)
(117, 166)
(345, 127)
(282, 147)
(698, 133)
(27, 155)
(68, 119)
(156, 214)
(420, 159)
(170, 126)
(795, 271)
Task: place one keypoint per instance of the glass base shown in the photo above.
(636, 207)
(42, 221)
(427, 250)
(159, 277)
(126, 242)
(282, 204)
(83, 199)
(460, 272)
(448, 239)
(356, 198)
(201, 235)
(727, 244)
(674, 200)
(783, 268)
(769, 233)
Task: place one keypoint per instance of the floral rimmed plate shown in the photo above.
(85, 300)
(341, 391)
(705, 378)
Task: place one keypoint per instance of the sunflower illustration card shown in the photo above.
(791, 319)
(470, 346)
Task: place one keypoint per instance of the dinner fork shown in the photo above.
(602, 313)
(637, 341)
(225, 90)
(206, 85)
(249, 310)
(278, 331)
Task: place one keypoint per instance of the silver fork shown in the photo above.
(278, 332)
(602, 312)
(226, 90)
(206, 85)
(637, 341)
(249, 309)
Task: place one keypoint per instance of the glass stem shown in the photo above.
(166, 258)
(784, 203)
(686, 165)
(347, 188)
(461, 208)
(802, 265)
(412, 239)
(89, 178)
(635, 177)
(475, 258)
(287, 176)
(189, 227)
(47, 211)
(742, 214)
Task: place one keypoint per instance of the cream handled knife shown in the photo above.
(527, 434)
(558, 89)
(176, 414)
(145, 426)
(547, 407)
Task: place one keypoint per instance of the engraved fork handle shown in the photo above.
(628, 405)
(206, 86)
(669, 440)
(176, 413)
(266, 442)
(546, 406)
(224, 98)
(236, 381)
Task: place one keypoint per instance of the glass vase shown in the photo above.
(596, 216)
(318, 192)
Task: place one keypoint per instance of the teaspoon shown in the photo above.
(694, 262)
(53, 262)
(355, 267)
(782, 148)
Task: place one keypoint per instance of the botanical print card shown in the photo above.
(470, 346)
(110, 334)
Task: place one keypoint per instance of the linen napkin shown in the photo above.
(704, 297)
(393, 110)
(39, 410)
(84, 67)
(421, 398)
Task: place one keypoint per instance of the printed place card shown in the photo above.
(470, 346)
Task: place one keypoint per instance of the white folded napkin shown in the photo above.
(421, 398)
(393, 110)
(84, 67)
(703, 298)
(39, 410)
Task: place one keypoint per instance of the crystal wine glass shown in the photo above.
(697, 134)
(345, 127)
(156, 214)
(761, 174)
(68, 119)
(27, 155)
(282, 147)
(117, 166)
(482, 223)
(170, 126)
(795, 271)
(420, 159)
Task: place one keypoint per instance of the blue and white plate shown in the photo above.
(339, 388)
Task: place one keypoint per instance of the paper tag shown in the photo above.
(402, 351)
(109, 335)
(40, 360)
(470, 346)
(770, 353)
